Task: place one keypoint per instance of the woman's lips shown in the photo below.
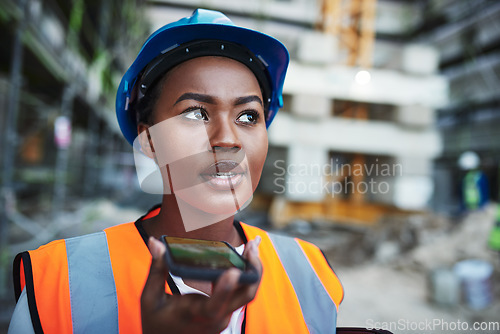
(223, 175)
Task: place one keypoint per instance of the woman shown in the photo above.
(197, 100)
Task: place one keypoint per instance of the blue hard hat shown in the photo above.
(204, 25)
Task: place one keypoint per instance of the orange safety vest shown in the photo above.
(93, 284)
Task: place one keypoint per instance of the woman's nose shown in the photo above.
(223, 133)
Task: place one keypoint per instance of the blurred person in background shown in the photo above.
(475, 187)
(197, 101)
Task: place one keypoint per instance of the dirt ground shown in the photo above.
(395, 299)
(395, 292)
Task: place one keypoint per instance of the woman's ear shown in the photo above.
(145, 141)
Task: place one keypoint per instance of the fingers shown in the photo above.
(223, 292)
(194, 313)
(154, 290)
(246, 292)
(251, 253)
(228, 292)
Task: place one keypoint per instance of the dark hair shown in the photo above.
(145, 106)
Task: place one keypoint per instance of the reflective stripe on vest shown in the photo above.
(94, 306)
(296, 284)
(318, 309)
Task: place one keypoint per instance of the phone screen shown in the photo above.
(204, 254)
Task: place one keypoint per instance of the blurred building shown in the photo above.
(59, 139)
(467, 34)
(356, 139)
(60, 63)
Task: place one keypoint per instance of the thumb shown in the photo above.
(153, 293)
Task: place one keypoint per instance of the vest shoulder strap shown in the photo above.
(72, 277)
(299, 292)
(91, 285)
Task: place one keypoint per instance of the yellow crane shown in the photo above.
(352, 23)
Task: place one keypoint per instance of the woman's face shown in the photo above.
(209, 131)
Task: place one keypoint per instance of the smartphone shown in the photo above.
(205, 260)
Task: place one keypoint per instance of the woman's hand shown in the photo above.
(194, 313)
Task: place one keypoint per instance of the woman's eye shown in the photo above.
(196, 115)
(248, 117)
